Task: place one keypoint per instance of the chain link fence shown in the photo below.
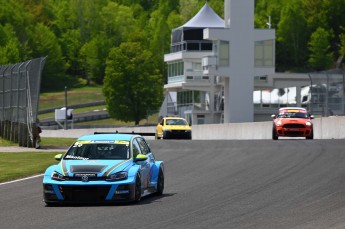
(19, 97)
(326, 93)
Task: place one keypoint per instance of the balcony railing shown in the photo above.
(176, 79)
(191, 75)
(195, 46)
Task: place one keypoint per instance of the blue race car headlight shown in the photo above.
(118, 176)
(57, 176)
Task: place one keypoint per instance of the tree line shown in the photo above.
(120, 44)
(310, 34)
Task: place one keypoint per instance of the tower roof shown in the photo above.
(205, 18)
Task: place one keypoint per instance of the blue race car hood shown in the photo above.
(98, 167)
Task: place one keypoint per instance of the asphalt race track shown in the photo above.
(289, 183)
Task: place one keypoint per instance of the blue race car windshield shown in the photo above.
(97, 151)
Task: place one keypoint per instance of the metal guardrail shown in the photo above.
(81, 117)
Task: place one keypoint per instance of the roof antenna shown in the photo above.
(269, 22)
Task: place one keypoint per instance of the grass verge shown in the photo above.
(74, 96)
(24, 164)
(19, 165)
(46, 142)
(80, 96)
(4, 142)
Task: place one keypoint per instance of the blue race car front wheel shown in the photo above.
(137, 189)
(160, 182)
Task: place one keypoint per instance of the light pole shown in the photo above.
(65, 107)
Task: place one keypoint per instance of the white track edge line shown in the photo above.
(26, 178)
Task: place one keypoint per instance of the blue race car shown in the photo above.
(104, 168)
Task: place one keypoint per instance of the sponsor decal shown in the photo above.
(80, 143)
(76, 157)
(85, 174)
(101, 141)
(122, 142)
(122, 192)
(293, 110)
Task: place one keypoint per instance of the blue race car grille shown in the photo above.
(89, 178)
(89, 193)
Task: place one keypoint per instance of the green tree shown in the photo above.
(94, 55)
(9, 45)
(292, 36)
(188, 8)
(118, 23)
(78, 25)
(342, 45)
(70, 46)
(217, 6)
(321, 57)
(341, 49)
(335, 14)
(13, 12)
(265, 9)
(14, 15)
(314, 14)
(133, 87)
(159, 31)
(44, 43)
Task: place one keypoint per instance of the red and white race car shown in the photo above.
(292, 122)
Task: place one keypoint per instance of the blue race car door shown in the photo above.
(145, 166)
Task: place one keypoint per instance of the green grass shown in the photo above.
(4, 142)
(18, 165)
(80, 96)
(74, 96)
(15, 165)
(46, 142)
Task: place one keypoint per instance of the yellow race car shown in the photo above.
(173, 128)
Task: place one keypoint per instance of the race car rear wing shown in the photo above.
(138, 133)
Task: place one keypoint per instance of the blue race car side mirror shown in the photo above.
(58, 157)
(141, 157)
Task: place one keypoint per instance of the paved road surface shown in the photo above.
(211, 184)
